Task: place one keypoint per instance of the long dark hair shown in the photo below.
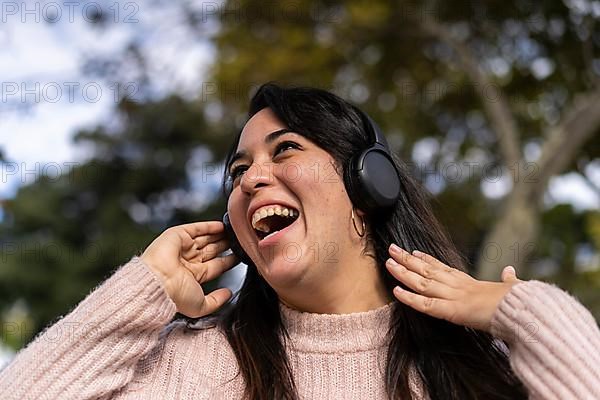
(454, 362)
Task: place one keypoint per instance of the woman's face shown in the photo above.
(290, 171)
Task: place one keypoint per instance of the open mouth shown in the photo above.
(269, 220)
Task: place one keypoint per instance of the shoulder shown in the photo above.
(198, 363)
(200, 342)
(201, 335)
(199, 350)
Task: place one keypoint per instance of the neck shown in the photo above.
(354, 287)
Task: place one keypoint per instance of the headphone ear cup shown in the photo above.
(372, 180)
(236, 248)
(353, 184)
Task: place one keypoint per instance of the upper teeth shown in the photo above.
(269, 210)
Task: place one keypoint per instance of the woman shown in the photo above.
(319, 314)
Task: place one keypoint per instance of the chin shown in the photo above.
(284, 273)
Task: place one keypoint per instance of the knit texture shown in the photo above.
(554, 341)
(120, 343)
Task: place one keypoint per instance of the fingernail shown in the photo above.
(393, 264)
(395, 248)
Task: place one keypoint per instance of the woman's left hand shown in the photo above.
(445, 292)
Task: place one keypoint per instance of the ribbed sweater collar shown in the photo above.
(332, 333)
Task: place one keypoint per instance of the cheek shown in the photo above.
(321, 190)
(236, 212)
(315, 173)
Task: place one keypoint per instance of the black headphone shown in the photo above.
(371, 179)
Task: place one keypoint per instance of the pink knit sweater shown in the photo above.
(118, 344)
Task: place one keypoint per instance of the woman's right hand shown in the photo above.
(183, 257)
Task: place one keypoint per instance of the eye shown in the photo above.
(285, 145)
(236, 171)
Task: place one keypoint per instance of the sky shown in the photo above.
(46, 99)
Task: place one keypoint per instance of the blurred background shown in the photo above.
(115, 118)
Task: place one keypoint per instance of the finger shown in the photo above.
(419, 266)
(212, 250)
(425, 286)
(198, 253)
(428, 258)
(214, 300)
(451, 275)
(218, 265)
(204, 228)
(509, 274)
(437, 308)
(204, 240)
(207, 271)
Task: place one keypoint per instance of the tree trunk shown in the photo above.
(512, 239)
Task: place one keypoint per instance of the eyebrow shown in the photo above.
(270, 138)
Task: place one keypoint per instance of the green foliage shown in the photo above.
(383, 56)
(62, 236)
(565, 232)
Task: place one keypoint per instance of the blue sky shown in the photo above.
(46, 99)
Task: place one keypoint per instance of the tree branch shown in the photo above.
(497, 110)
(578, 124)
(591, 184)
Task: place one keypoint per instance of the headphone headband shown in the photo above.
(374, 131)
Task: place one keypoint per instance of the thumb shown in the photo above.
(509, 274)
(214, 300)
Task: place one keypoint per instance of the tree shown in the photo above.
(62, 235)
(487, 85)
(562, 139)
(485, 101)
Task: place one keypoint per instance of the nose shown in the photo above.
(256, 176)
